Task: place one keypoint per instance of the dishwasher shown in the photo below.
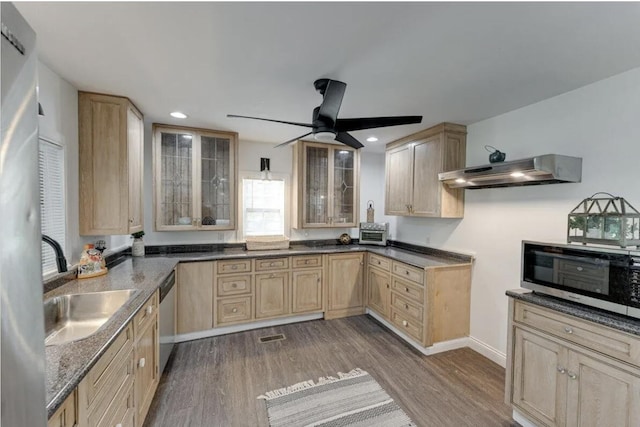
(167, 319)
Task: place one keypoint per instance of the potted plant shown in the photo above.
(137, 248)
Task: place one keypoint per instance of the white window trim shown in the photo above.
(65, 245)
(287, 198)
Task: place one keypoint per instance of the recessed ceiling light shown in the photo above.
(178, 115)
(517, 174)
(372, 139)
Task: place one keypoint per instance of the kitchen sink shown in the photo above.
(73, 317)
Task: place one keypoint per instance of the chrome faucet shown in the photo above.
(61, 261)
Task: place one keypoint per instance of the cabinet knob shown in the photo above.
(271, 264)
(406, 289)
(405, 323)
(406, 306)
(150, 309)
(234, 285)
(306, 261)
(572, 375)
(561, 370)
(579, 268)
(131, 220)
(387, 286)
(234, 267)
(406, 272)
(568, 330)
(234, 310)
(142, 362)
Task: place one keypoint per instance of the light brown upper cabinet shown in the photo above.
(111, 139)
(412, 165)
(195, 178)
(325, 185)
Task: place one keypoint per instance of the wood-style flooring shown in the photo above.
(215, 381)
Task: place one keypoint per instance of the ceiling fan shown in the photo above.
(325, 124)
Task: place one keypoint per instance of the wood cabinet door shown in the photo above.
(601, 394)
(379, 291)
(427, 164)
(399, 180)
(345, 284)
(135, 149)
(539, 377)
(147, 370)
(65, 416)
(195, 297)
(272, 294)
(307, 290)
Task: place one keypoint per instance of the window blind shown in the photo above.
(52, 203)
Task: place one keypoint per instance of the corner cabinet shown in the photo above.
(564, 371)
(325, 185)
(111, 139)
(195, 176)
(412, 165)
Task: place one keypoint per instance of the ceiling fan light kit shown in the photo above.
(326, 126)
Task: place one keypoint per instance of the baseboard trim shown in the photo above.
(246, 327)
(522, 420)
(488, 351)
(427, 351)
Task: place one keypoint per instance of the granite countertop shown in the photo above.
(67, 364)
(606, 318)
(408, 257)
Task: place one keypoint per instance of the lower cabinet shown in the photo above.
(66, 415)
(379, 290)
(306, 289)
(194, 296)
(345, 285)
(147, 371)
(272, 295)
(555, 382)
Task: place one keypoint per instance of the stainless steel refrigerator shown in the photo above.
(22, 356)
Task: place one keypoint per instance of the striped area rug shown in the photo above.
(353, 399)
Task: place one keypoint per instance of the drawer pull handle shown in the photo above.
(406, 306)
(271, 264)
(407, 272)
(387, 286)
(150, 309)
(568, 330)
(561, 370)
(572, 375)
(234, 267)
(235, 310)
(142, 362)
(234, 285)
(405, 323)
(406, 289)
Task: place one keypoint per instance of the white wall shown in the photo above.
(372, 188)
(600, 123)
(59, 100)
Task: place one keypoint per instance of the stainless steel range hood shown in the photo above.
(545, 169)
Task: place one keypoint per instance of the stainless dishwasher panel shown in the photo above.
(167, 322)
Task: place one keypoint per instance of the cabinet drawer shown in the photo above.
(407, 324)
(146, 314)
(408, 290)
(234, 266)
(406, 307)
(231, 310)
(234, 285)
(121, 412)
(307, 261)
(380, 262)
(599, 338)
(100, 376)
(106, 400)
(409, 273)
(272, 264)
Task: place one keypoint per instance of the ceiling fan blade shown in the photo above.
(345, 125)
(292, 140)
(272, 120)
(331, 102)
(349, 140)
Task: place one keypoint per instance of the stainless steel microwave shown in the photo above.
(373, 233)
(606, 278)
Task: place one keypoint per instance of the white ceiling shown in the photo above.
(457, 62)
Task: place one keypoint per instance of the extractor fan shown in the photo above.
(326, 126)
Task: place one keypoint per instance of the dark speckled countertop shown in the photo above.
(67, 364)
(606, 318)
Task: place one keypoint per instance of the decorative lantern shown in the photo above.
(604, 220)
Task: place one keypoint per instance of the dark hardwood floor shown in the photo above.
(215, 381)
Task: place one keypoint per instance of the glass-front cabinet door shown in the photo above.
(327, 176)
(194, 176)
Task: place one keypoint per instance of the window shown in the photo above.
(264, 205)
(52, 203)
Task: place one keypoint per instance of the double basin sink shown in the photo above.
(72, 317)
